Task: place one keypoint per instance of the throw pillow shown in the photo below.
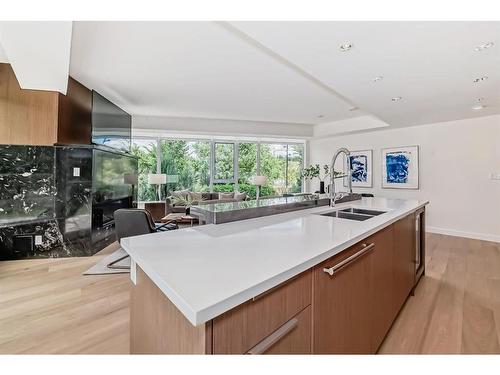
(240, 196)
(195, 197)
(223, 196)
(179, 197)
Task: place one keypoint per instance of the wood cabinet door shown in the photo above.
(342, 305)
(382, 285)
(404, 260)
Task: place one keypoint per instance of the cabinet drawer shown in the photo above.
(293, 337)
(243, 327)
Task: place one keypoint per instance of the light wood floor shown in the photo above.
(47, 306)
(456, 307)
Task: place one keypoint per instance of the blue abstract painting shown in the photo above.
(397, 167)
(359, 168)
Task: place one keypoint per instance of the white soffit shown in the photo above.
(221, 127)
(431, 65)
(196, 70)
(39, 52)
(358, 124)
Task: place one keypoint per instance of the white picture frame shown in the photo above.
(400, 168)
(362, 173)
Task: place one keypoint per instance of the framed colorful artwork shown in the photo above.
(400, 167)
(361, 166)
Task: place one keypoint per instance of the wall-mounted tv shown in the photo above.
(111, 125)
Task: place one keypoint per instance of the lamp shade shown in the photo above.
(172, 178)
(259, 180)
(157, 178)
(130, 178)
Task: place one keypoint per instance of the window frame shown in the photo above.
(227, 140)
(213, 162)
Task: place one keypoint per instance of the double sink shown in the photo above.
(358, 214)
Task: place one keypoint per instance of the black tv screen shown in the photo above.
(111, 125)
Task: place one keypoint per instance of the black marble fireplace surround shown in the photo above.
(53, 199)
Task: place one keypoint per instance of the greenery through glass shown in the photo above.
(145, 150)
(189, 160)
(224, 161)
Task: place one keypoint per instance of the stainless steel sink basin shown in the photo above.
(363, 211)
(358, 214)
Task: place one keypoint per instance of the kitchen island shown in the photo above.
(298, 282)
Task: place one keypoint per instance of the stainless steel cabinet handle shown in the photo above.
(274, 337)
(332, 270)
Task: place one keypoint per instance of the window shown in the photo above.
(224, 173)
(273, 165)
(295, 164)
(146, 151)
(224, 162)
(247, 167)
(186, 164)
(220, 166)
(282, 164)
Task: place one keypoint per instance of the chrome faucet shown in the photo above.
(332, 173)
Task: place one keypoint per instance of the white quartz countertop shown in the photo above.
(207, 270)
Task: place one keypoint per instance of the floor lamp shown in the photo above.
(131, 179)
(258, 181)
(157, 179)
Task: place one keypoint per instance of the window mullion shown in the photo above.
(236, 170)
(212, 165)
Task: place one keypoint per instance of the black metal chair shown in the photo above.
(134, 222)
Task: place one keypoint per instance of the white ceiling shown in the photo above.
(196, 69)
(431, 65)
(291, 72)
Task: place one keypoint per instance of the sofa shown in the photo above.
(176, 202)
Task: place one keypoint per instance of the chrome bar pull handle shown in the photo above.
(336, 268)
(274, 337)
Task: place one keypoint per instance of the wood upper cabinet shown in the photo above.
(75, 115)
(382, 285)
(404, 262)
(38, 117)
(27, 117)
(342, 303)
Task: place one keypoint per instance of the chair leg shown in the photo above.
(113, 267)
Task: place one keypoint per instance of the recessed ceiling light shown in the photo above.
(320, 116)
(353, 109)
(478, 107)
(396, 98)
(346, 47)
(483, 46)
(480, 79)
(378, 78)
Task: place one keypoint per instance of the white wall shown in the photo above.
(457, 159)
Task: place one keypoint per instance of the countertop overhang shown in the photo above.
(207, 270)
